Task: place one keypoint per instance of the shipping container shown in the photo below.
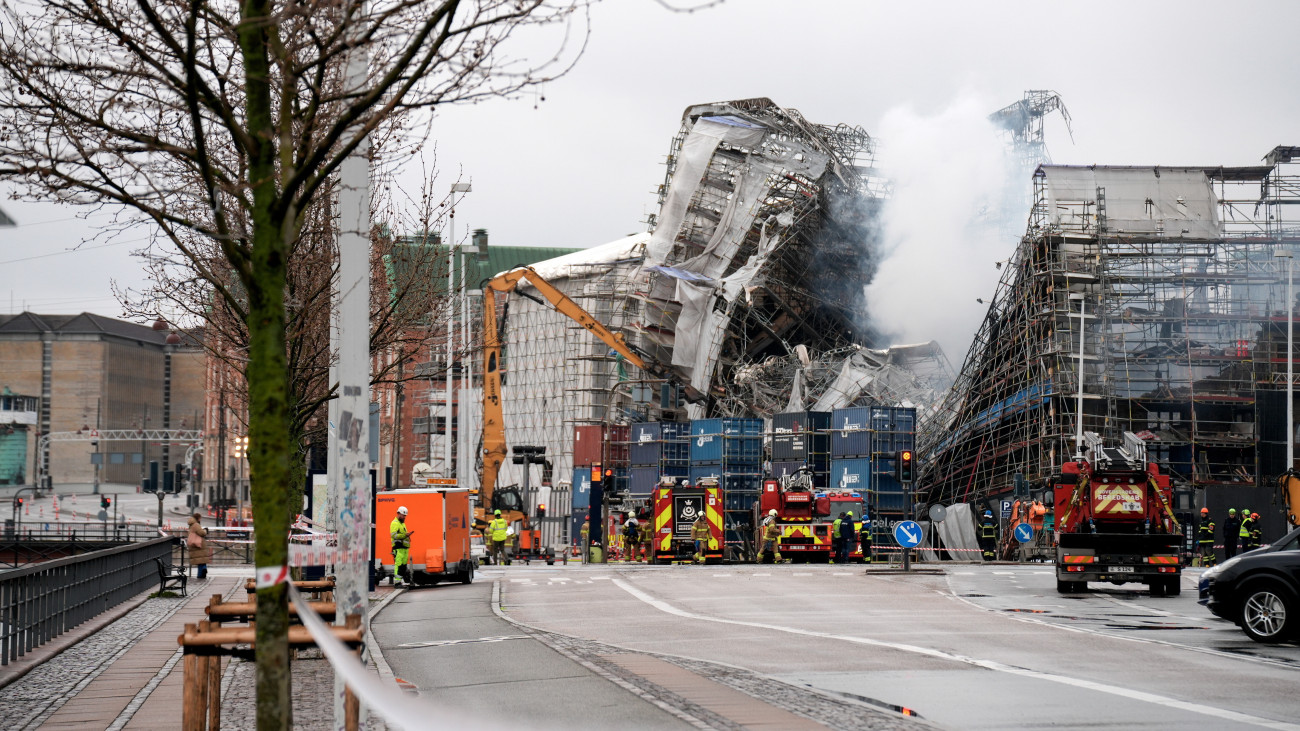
(590, 445)
(800, 434)
(851, 473)
(850, 432)
(714, 441)
(820, 471)
(581, 488)
(887, 502)
(642, 481)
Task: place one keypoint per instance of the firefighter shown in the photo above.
(1244, 532)
(499, 533)
(401, 537)
(1255, 533)
(584, 533)
(848, 537)
(1205, 539)
(989, 536)
(648, 538)
(835, 538)
(700, 535)
(1231, 531)
(771, 536)
(864, 539)
(631, 537)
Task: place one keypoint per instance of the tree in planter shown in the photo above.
(227, 121)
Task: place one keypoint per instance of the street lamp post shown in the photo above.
(1290, 357)
(450, 333)
(1078, 433)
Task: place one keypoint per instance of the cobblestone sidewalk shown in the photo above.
(30, 700)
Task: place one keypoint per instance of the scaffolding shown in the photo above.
(756, 261)
(1171, 274)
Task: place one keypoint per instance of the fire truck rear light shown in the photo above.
(1167, 569)
(1074, 568)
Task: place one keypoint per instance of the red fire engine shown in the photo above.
(806, 516)
(676, 507)
(1114, 520)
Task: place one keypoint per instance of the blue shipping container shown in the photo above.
(851, 435)
(581, 489)
(888, 502)
(852, 474)
(642, 481)
(714, 441)
(645, 447)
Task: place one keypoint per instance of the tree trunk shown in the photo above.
(268, 380)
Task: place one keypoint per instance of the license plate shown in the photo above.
(1120, 569)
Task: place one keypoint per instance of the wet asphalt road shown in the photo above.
(982, 647)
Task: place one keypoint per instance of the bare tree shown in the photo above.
(225, 121)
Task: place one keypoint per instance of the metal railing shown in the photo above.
(41, 602)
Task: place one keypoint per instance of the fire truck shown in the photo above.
(1114, 520)
(806, 516)
(676, 507)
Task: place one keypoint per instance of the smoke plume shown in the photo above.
(945, 224)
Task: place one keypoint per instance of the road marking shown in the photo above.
(841, 573)
(722, 576)
(802, 573)
(1005, 573)
(760, 574)
(986, 664)
(441, 643)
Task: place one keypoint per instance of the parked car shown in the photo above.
(1259, 590)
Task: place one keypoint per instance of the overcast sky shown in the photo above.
(1170, 83)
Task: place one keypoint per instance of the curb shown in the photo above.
(376, 654)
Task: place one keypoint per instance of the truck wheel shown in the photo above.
(1268, 612)
(1173, 586)
(1069, 587)
(1158, 587)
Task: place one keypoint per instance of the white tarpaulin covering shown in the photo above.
(1174, 202)
(692, 161)
(957, 531)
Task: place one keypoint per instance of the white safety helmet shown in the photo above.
(772, 511)
(401, 510)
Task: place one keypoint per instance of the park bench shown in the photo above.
(171, 577)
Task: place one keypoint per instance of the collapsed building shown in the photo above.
(1172, 276)
(748, 290)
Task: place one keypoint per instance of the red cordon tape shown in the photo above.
(268, 576)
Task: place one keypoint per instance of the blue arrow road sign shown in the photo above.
(908, 533)
(1024, 533)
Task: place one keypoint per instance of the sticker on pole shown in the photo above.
(908, 533)
(1024, 532)
(271, 575)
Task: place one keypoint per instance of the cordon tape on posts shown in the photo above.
(398, 708)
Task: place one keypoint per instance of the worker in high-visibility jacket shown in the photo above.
(769, 538)
(1251, 536)
(401, 538)
(1205, 539)
(988, 536)
(700, 534)
(835, 537)
(499, 533)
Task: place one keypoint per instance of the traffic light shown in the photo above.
(905, 465)
(541, 511)
(105, 502)
(18, 502)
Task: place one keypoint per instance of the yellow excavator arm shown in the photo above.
(494, 432)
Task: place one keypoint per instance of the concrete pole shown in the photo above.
(350, 482)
